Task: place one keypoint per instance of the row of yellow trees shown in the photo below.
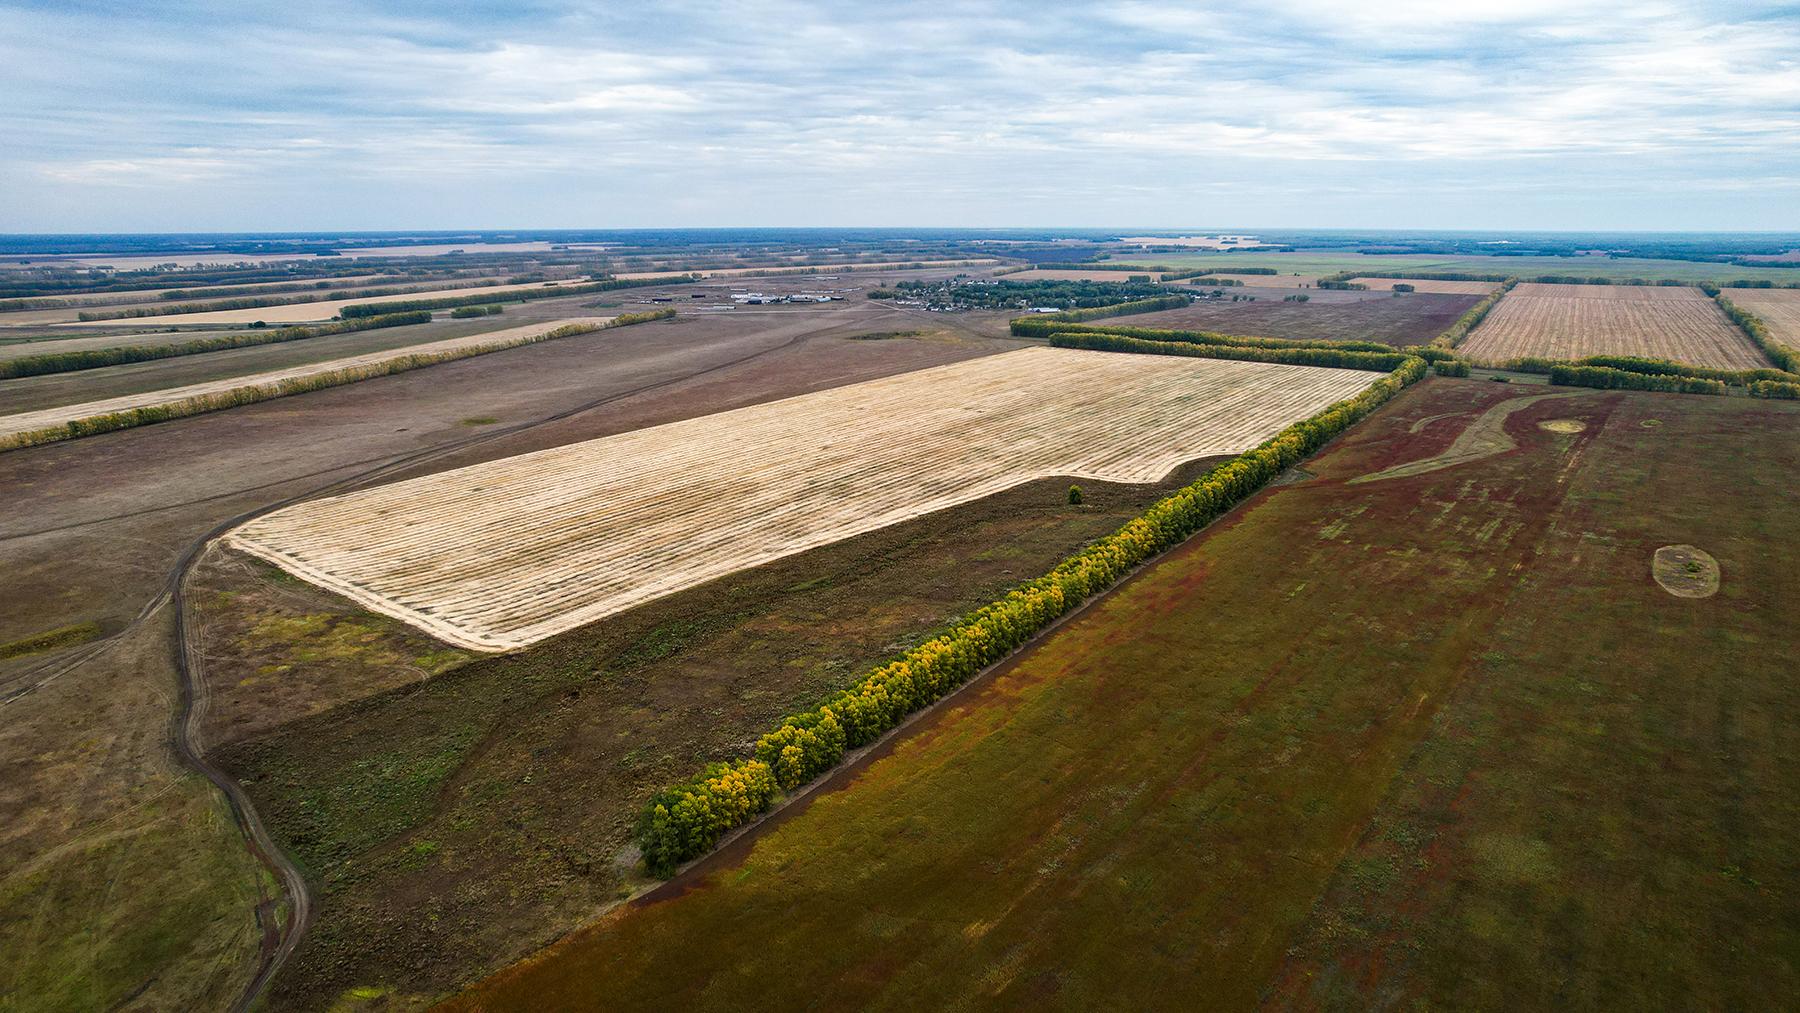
(688, 819)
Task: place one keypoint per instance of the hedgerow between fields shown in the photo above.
(201, 404)
(67, 362)
(517, 295)
(688, 819)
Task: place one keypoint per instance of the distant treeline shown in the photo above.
(1064, 295)
(521, 295)
(1150, 305)
(257, 303)
(68, 362)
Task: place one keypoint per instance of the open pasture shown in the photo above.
(1433, 741)
(1779, 308)
(1327, 314)
(1576, 321)
(1477, 288)
(507, 553)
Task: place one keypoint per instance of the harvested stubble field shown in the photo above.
(1477, 288)
(1779, 308)
(1576, 321)
(32, 421)
(504, 554)
(324, 309)
(1328, 314)
(1433, 741)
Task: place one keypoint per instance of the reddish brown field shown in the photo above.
(1434, 739)
(1332, 315)
(1576, 321)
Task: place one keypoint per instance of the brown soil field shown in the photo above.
(1477, 288)
(1779, 308)
(1575, 321)
(112, 855)
(1332, 315)
(505, 554)
(23, 422)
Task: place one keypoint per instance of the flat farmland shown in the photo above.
(1321, 262)
(1778, 307)
(1073, 274)
(1262, 280)
(504, 554)
(25, 422)
(1328, 314)
(1477, 288)
(123, 876)
(324, 309)
(1416, 731)
(1576, 321)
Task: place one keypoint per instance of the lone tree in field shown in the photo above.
(1075, 495)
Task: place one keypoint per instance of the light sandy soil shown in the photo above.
(1779, 308)
(28, 421)
(1429, 285)
(1576, 321)
(311, 311)
(501, 555)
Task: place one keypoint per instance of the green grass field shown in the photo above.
(1430, 741)
(1318, 263)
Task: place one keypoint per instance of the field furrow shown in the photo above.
(1576, 321)
(502, 554)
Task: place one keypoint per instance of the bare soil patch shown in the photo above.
(1686, 571)
(1327, 315)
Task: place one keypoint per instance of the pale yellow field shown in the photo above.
(25, 422)
(1429, 285)
(1779, 308)
(1576, 321)
(311, 311)
(499, 555)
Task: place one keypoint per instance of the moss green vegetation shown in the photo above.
(50, 640)
(65, 362)
(1436, 741)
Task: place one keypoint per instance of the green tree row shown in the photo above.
(1619, 379)
(686, 820)
(1044, 327)
(1298, 355)
(1456, 332)
(68, 362)
(250, 394)
(1752, 325)
(1124, 309)
(1655, 367)
(465, 312)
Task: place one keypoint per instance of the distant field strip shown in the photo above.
(782, 269)
(1779, 308)
(245, 389)
(324, 309)
(502, 554)
(1428, 285)
(1576, 321)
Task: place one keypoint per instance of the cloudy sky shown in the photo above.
(334, 114)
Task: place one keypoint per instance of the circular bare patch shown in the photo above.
(1563, 425)
(1650, 423)
(1685, 571)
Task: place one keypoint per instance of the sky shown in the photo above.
(337, 114)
